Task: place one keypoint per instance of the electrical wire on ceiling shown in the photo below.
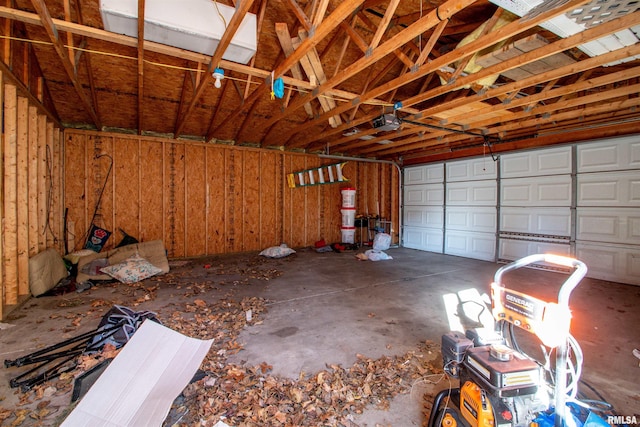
(194, 70)
(224, 21)
(486, 138)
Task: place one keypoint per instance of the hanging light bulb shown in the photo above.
(218, 74)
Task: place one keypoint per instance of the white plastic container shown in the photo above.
(348, 217)
(348, 197)
(348, 234)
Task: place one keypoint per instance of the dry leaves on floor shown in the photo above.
(241, 395)
(250, 396)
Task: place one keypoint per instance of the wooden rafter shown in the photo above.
(313, 67)
(428, 47)
(87, 60)
(428, 21)
(561, 93)
(224, 42)
(141, 4)
(382, 26)
(216, 111)
(505, 32)
(318, 14)
(550, 49)
(300, 14)
(567, 70)
(198, 58)
(260, 21)
(329, 23)
(282, 31)
(486, 29)
(52, 32)
(364, 46)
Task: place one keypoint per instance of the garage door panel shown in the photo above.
(423, 239)
(478, 193)
(424, 194)
(541, 191)
(481, 219)
(620, 225)
(511, 250)
(604, 156)
(611, 262)
(536, 163)
(609, 189)
(471, 170)
(533, 220)
(471, 245)
(424, 216)
(424, 174)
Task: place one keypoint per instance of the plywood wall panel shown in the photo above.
(223, 199)
(126, 186)
(195, 199)
(10, 220)
(54, 215)
(174, 199)
(216, 200)
(23, 195)
(42, 182)
(75, 176)
(332, 202)
(313, 207)
(251, 201)
(32, 180)
(2, 291)
(25, 192)
(101, 187)
(235, 162)
(151, 207)
(297, 218)
(270, 184)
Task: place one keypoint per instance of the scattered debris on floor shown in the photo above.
(250, 396)
(203, 303)
(277, 251)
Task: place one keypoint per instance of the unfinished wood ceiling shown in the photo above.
(461, 76)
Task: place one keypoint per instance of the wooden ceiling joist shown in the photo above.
(67, 63)
(282, 31)
(550, 49)
(225, 40)
(328, 24)
(431, 19)
(141, 4)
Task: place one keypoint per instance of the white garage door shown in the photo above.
(535, 203)
(608, 209)
(470, 209)
(456, 215)
(423, 207)
(581, 200)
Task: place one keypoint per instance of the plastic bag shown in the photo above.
(381, 242)
(277, 251)
(374, 255)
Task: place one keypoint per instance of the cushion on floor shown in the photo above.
(46, 269)
(152, 251)
(132, 270)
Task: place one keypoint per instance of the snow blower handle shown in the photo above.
(580, 270)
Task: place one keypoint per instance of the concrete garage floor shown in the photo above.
(324, 309)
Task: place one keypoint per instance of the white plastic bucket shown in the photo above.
(348, 217)
(348, 234)
(348, 197)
